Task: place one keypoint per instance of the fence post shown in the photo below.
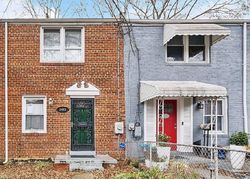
(216, 163)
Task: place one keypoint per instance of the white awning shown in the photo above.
(216, 31)
(153, 89)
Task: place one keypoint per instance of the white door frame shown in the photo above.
(180, 116)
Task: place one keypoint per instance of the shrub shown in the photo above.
(181, 171)
(239, 138)
(144, 174)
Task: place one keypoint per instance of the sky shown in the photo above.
(16, 9)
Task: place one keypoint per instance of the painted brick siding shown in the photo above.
(225, 69)
(27, 76)
(1, 91)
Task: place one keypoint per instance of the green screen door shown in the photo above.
(82, 125)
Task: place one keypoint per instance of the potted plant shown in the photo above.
(238, 142)
(160, 154)
(156, 161)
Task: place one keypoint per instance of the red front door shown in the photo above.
(168, 121)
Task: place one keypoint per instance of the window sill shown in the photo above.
(56, 62)
(187, 64)
(34, 132)
(220, 133)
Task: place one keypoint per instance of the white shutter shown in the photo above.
(150, 120)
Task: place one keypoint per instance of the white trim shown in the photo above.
(145, 120)
(192, 120)
(179, 107)
(186, 52)
(82, 92)
(245, 52)
(81, 97)
(62, 45)
(44, 98)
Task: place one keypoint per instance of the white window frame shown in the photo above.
(62, 45)
(24, 98)
(224, 130)
(186, 52)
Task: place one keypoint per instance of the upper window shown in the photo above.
(62, 45)
(188, 49)
(34, 111)
(209, 112)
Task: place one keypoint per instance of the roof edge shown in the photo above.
(131, 21)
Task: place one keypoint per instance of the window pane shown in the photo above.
(219, 107)
(219, 123)
(175, 53)
(34, 122)
(176, 40)
(207, 107)
(196, 48)
(51, 38)
(73, 55)
(52, 55)
(207, 119)
(72, 38)
(196, 40)
(34, 107)
(196, 53)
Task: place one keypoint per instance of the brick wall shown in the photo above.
(1, 90)
(27, 76)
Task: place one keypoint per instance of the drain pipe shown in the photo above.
(245, 77)
(6, 90)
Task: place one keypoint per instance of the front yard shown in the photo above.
(123, 170)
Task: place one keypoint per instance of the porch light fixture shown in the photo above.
(200, 105)
(50, 101)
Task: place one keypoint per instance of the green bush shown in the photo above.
(239, 138)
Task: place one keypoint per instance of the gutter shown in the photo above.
(245, 115)
(6, 90)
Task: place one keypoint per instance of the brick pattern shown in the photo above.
(27, 76)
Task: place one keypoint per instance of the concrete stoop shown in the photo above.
(85, 163)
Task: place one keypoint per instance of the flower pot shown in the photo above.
(161, 165)
(162, 152)
(237, 158)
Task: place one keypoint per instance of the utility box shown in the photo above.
(119, 128)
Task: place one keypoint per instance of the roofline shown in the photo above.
(132, 21)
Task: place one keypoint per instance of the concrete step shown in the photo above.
(84, 162)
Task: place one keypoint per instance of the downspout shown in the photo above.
(245, 77)
(6, 90)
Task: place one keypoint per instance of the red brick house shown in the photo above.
(65, 87)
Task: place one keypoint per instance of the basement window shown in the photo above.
(34, 114)
(62, 45)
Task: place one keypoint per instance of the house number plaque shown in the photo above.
(62, 109)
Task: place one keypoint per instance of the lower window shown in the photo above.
(209, 113)
(34, 112)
